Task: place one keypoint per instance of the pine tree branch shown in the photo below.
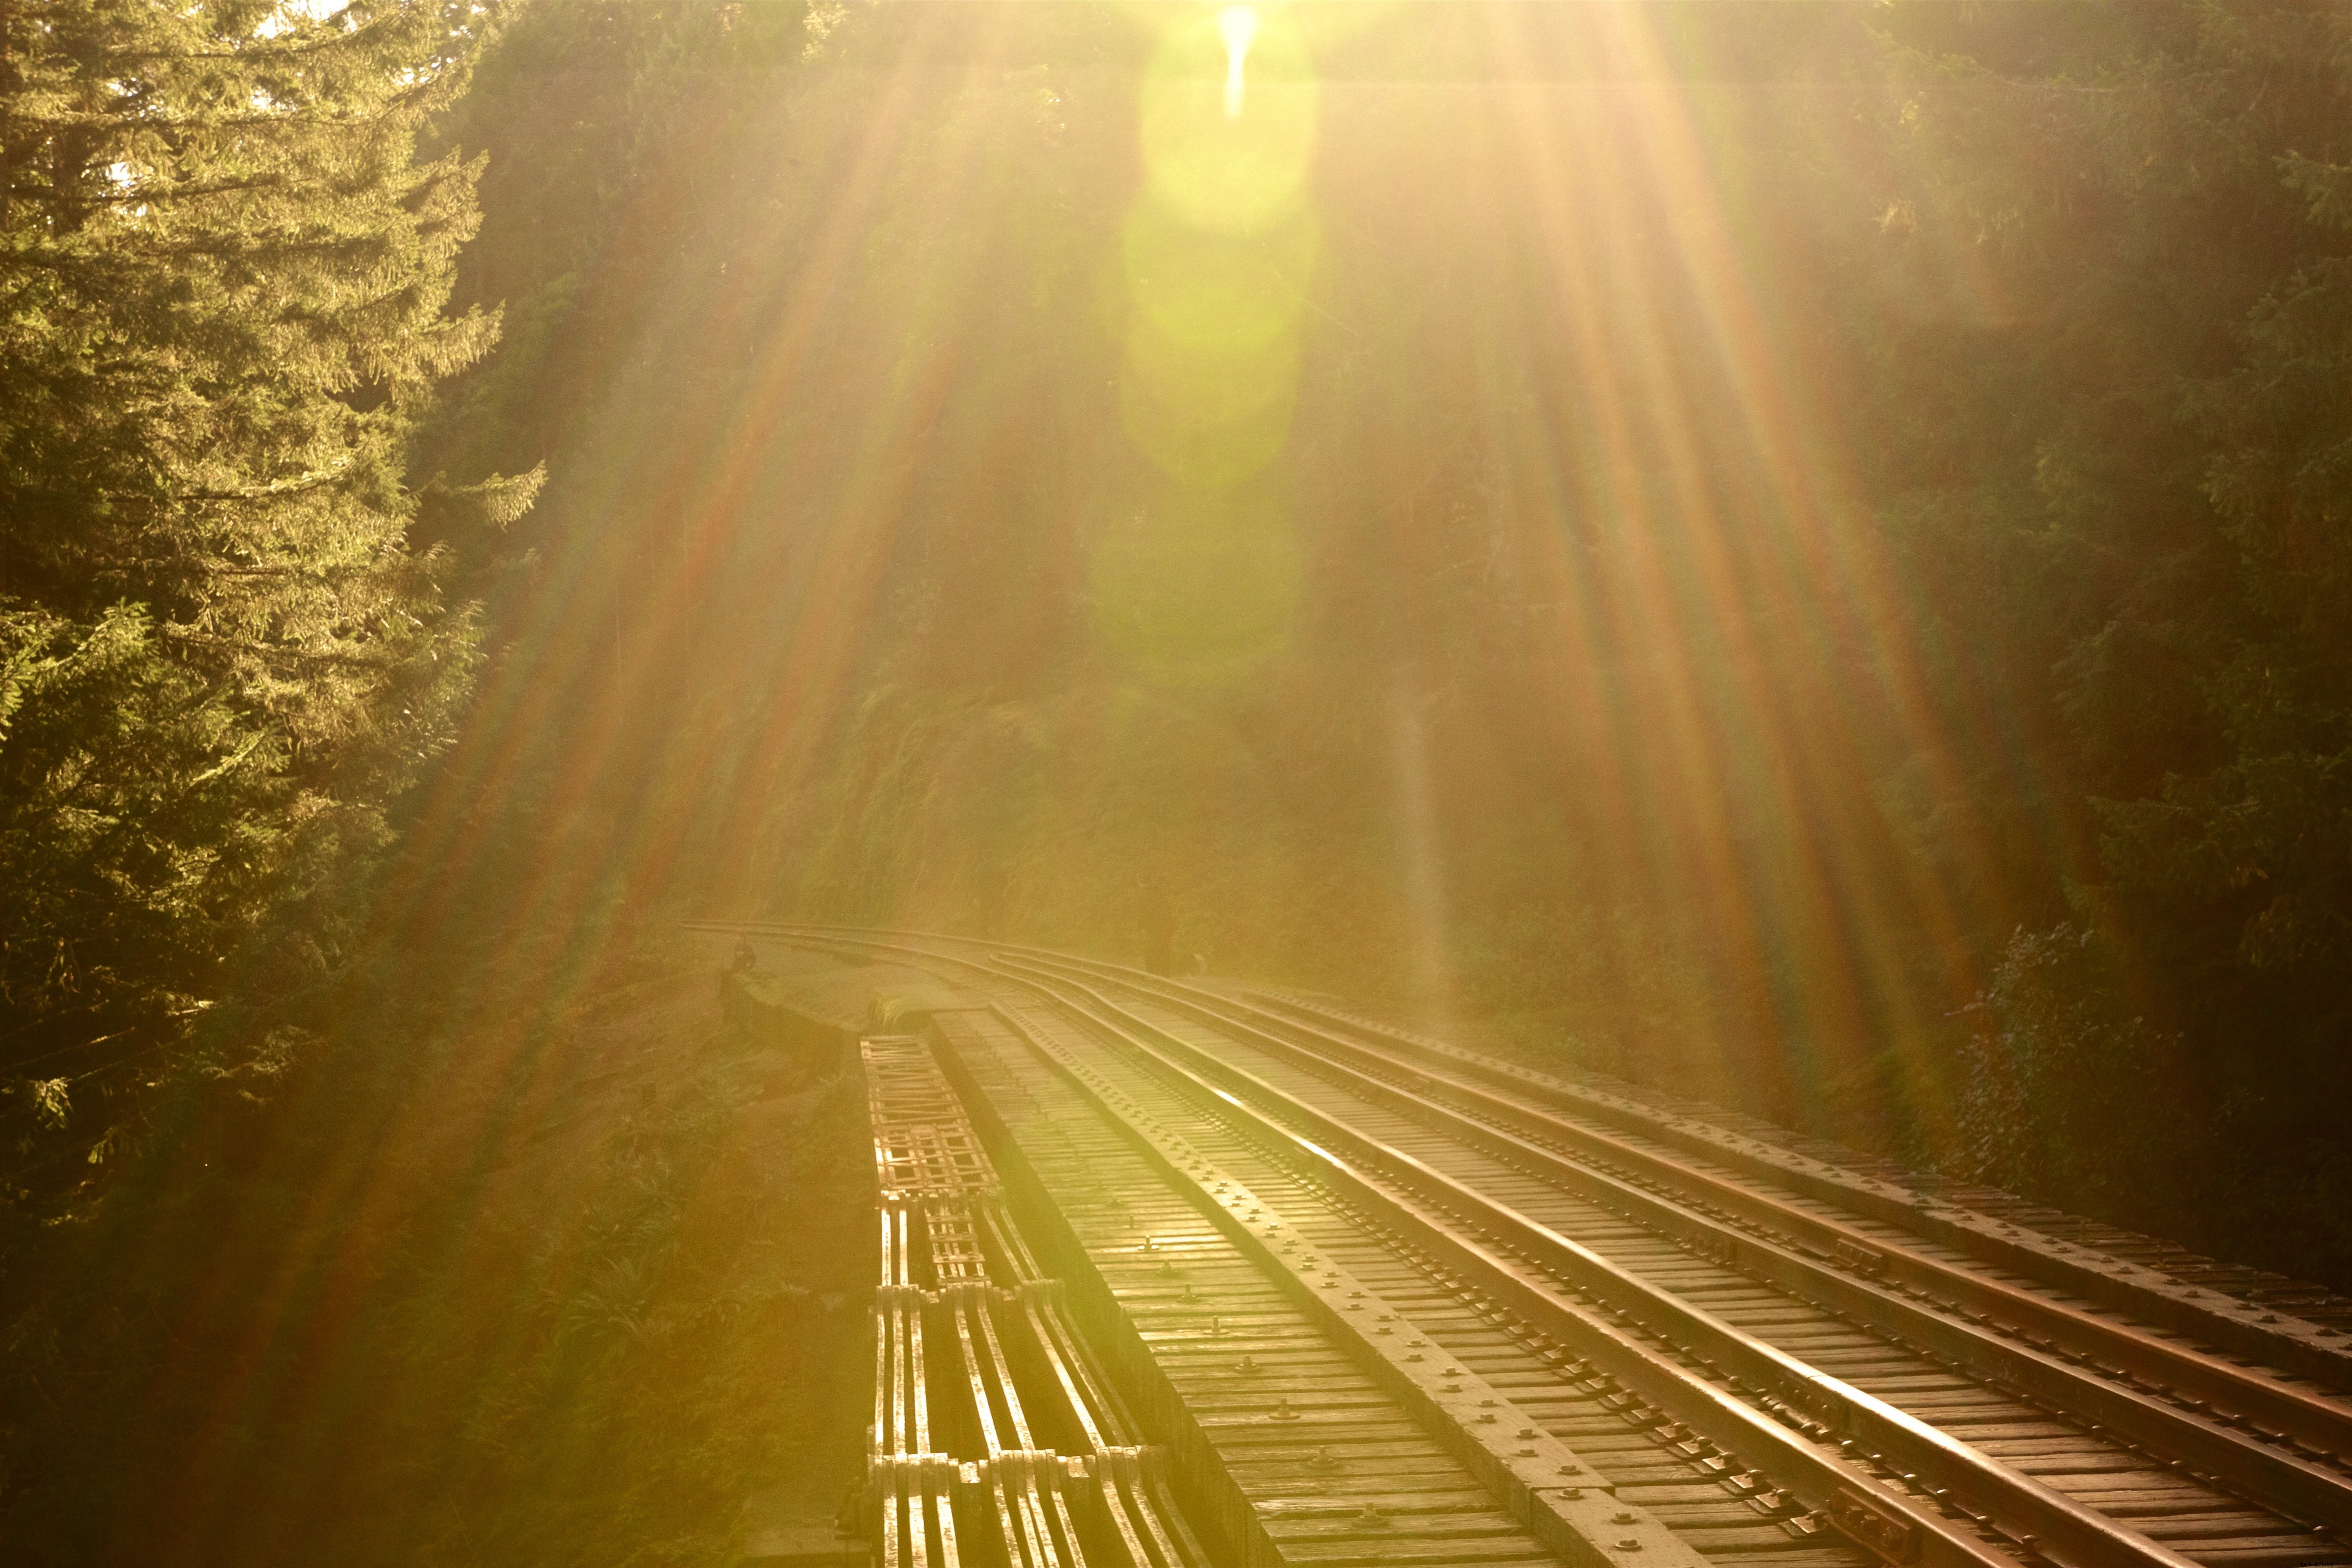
(277, 655)
(145, 196)
(395, 107)
(270, 491)
(267, 49)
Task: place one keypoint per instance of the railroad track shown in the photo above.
(1651, 1325)
(974, 1353)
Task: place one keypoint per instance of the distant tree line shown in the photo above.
(2125, 480)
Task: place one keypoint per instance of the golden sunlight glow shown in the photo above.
(1237, 25)
(1197, 583)
(1541, 519)
(1222, 169)
(1638, 495)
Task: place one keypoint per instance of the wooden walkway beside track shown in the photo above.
(1173, 1274)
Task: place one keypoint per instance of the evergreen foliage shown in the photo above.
(222, 287)
(2144, 471)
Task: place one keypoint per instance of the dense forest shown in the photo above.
(1801, 553)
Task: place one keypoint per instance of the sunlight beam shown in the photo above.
(1237, 25)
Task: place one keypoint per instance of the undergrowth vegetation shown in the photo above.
(495, 1283)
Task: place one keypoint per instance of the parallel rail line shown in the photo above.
(1486, 1180)
(1904, 1292)
(2299, 1329)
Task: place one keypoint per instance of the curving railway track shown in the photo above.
(1382, 1300)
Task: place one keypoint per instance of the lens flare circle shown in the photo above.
(1214, 291)
(1204, 422)
(1232, 169)
(1197, 589)
(1237, 25)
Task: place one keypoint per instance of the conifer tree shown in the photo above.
(223, 275)
(2149, 451)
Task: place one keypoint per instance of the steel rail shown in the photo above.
(2040, 1520)
(1476, 1420)
(2197, 1395)
(947, 1251)
(1043, 1326)
(2238, 1327)
(2314, 1493)
(2272, 1335)
(2022, 1508)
